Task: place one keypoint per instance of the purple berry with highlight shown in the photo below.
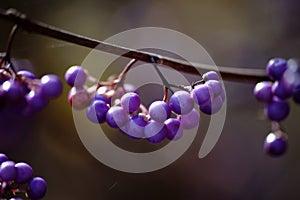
(155, 132)
(174, 130)
(37, 188)
(277, 110)
(211, 75)
(190, 120)
(276, 144)
(263, 91)
(159, 111)
(216, 87)
(8, 171)
(116, 117)
(181, 102)
(130, 102)
(24, 172)
(135, 127)
(51, 86)
(76, 76)
(276, 67)
(201, 94)
(213, 106)
(96, 112)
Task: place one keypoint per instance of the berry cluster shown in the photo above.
(22, 93)
(17, 181)
(120, 106)
(284, 84)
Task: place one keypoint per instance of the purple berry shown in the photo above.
(276, 67)
(211, 75)
(96, 112)
(116, 117)
(181, 102)
(24, 173)
(130, 102)
(135, 127)
(277, 110)
(13, 90)
(26, 74)
(8, 172)
(75, 76)
(155, 132)
(51, 86)
(101, 96)
(201, 94)
(190, 120)
(159, 111)
(213, 106)
(174, 130)
(282, 89)
(79, 98)
(37, 188)
(276, 144)
(216, 86)
(263, 91)
(36, 101)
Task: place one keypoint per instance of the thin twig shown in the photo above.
(228, 73)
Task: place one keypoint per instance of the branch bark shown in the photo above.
(37, 27)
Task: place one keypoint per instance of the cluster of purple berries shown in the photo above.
(23, 93)
(17, 181)
(284, 84)
(120, 107)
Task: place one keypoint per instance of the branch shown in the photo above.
(33, 26)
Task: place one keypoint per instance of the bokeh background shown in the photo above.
(235, 33)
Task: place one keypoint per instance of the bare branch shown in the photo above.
(33, 26)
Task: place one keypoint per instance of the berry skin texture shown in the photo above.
(37, 188)
(116, 117)
(36, 101)
(276, 67)
(51, 86)
(211, 75)
(8, 172)
(276, 144)
(282, 90)
(24, 172)
(130, 102)
(190, 120)
(213, 106)
(75, 76)
(96, 112)
(13, 90)
(215, 86)
(277, 110)
(181, 102)
(201, 94)
(79, 98)
(174, 130)
(159, 111)
(263, 91)
(135, 127)
(155, 132)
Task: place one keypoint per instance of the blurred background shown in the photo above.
(235, 33)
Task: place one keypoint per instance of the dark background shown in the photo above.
(235, 33)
